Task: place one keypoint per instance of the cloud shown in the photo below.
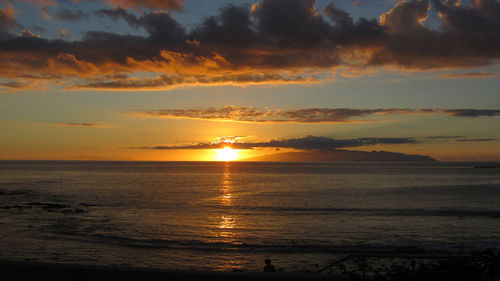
(45, 13)
(251, 114)
(44, 3)
(476, 140)
(119, 13)
(339, 16)
(299, 24)
(7, 20)
(38, 29)
(468, 35)
(164, 82)
(232, 28)
(303, 143)
(71, 15)
(27, 33)
(406, 17)
(273, 41)
(445, 137)
(136, 4)
(21, 85)
(64, 14)
(149, 4)
(65, 33)
(470, 112)
(14, 85)
(471, 75)
(93, 125)
(305, 115)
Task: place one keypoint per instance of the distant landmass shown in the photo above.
(340, 155)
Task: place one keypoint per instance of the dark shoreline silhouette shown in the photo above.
(487, 166)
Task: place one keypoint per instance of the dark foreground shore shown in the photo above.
(59, 272)
(377, 267)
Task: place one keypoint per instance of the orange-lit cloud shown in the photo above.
(275, 41)
(471, 75)
(137, 4)
(163, 82)
(150, 4)
(306, 115)
(7, 19)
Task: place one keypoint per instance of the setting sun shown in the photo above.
(226, 154)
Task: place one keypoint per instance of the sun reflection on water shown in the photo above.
(226, 199)
(226, 222)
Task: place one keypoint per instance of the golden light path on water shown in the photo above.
(227, 222)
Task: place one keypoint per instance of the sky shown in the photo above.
(178, 80)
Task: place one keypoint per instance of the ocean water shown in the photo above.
(231, 216)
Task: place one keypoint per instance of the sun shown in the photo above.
(226, 154)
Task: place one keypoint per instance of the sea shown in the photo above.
(231, 216)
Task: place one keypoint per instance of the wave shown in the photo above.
(281, 248)
(205, 246)
(387, 212)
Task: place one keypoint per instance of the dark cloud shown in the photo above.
(406, 17)
(445, 137)
(476, 140)
(317, 115)
(160, 25)
(119, 13)
(232, 27)
(477, 22)
(306, 115)
(163, 28)
(251, 114)
(468, 36)
(298, 23)
(20, 85)
(339, 16)
(169, 81)
(71, 15)
(304, 143)
(470, 112)
(94, 125)
(39, 29)
(13, 85)
(277, 38)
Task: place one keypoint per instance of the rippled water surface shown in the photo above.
(227, 216)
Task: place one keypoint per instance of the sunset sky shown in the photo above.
(178, 80)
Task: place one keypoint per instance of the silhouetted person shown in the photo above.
(269, 267)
